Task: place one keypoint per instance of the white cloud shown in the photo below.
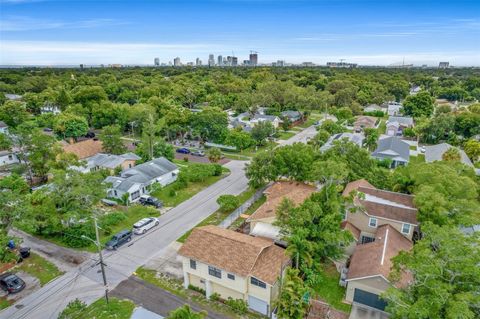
(22, 23)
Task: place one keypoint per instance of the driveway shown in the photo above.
(85, 281)
(154, 298)
(302, 137)
(65, 259)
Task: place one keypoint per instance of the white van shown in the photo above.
(145, 224)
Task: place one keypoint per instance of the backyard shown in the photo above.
(328, 288)
(100, 309)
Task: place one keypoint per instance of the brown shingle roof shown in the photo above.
(405, 215)
(84, 149)
(374, 259)
(294, 191)
(235, 252)
(352, 228)
(365, 121)
(355, 185)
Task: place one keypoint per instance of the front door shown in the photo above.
(369, 299)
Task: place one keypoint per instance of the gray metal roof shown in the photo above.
(2, 124)
(435, 153)
(109, 160)
(394, 148)
(292, 114)
(151, 169)
(266, 117)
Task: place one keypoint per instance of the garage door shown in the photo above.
(258, 305)
(369, 299)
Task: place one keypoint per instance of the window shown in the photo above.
(215, 272)
(406, 229)
(254, 281)
(193, 264)
(135, 195)
(366, 239)
(10, 157)
(115, 192)
(372, 222)
(231, 276)
(129, 165)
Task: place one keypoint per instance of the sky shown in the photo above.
(386, 32)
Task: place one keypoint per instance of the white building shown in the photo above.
(136, 181)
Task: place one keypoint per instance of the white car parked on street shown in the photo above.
(145, 224)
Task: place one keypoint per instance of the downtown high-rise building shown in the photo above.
(211, 60)
(220, 60)
(176, 61)
(253, 58)
(198, 62)
(156, 61)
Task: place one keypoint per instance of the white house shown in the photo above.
(394, 108)
(50, 108)
(108, 161)
(136, 181)
(8, 157)
(3, 128)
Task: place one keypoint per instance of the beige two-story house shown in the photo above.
(370, 265)
(234, 265)
(373, 207)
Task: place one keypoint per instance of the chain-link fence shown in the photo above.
(240, 210)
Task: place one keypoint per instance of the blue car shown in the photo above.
(183, 150)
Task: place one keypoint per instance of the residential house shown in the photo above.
(234, 265)
(8, 157)
(137, 180)
(375, 207)
(84, 149)
(292, 116)
(13, 97)
(374, 108)
(396, 125)
(275, 120)
(356, 138)
(363, 122)
(3, 128)
(394, 108)
(370, 267)
(415, 89)
(261, 221)
(109, 162)
(435, 153)
(392, 148)
(50, 108)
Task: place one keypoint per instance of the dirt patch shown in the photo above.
(167, 261)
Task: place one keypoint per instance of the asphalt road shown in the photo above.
(155, 299)
(85, 282)
(301, 137)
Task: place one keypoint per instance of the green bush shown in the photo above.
(112, 219)
(73, 310)
(197, 289)
(228, 202)
(218, 169)
(215, 296)
(239, 306)
(72, 235)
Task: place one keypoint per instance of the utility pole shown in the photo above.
(102, 266)
(99, 247)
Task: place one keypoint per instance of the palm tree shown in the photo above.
(214, 155)
(291, 303)
(452, 155)
(300, 248)
(186, 312)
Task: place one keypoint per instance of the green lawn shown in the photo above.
(420, 158)
(39, 267)
(413, 148)
(382, 127)
(285, 135)
(170, 199)
(252, 151)
(329, 290)
(115, 309)
(4, 303)
(218, 216)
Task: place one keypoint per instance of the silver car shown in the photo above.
(145, 224)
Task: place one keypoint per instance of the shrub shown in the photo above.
(112, 219)
(218, 170)
(228, 202)
(197, 289)
(74, 309)
(215, 296)
(239, 306)
(185, 159)
(72, 235)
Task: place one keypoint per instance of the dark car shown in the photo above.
(146, 200)
(198, 153)
(183, 150)
(11, 283)
(119, 239)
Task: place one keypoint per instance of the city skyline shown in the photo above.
(57, 32)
